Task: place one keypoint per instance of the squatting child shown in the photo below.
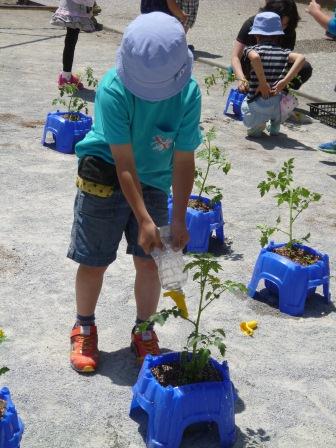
(146, 129)
(269, 75)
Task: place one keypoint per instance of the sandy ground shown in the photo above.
(285, 375)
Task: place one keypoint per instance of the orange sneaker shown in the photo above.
(84, 352)
(144, 343)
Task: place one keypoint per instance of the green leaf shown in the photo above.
(4, 370)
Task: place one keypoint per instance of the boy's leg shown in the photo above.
(147, 287)
(84, 353)
(97, 229)
(147, 290)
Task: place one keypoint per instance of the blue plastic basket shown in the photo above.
(201, 224)
(291, 280)
(65, 133)
(233, 103)
(172, 409)
(11, 426)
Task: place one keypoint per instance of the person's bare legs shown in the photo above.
(147, 287)
(89, 281)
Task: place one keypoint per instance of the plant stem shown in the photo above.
(207, 170)
(202, 283)
(291, 219)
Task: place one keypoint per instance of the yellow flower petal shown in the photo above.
(179, 298)
(248, 327)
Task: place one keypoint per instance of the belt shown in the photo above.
(102, 191)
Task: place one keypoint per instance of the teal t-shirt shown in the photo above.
(154, 129)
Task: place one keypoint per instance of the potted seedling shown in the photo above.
(204, 213)
(291, 268)
(180, 389)
(11, 426)
(63, 129)
(225, 77)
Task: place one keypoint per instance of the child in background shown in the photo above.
(147, 114)
(75, 16)
(167, 6)
(269, 65)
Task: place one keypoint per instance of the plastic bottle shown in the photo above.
(170, 263)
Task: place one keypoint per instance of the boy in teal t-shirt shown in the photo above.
(146, 129)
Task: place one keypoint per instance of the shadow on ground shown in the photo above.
(87, 95)
(265, 302)
(281, 141)
(205, 54)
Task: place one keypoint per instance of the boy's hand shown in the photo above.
(264, 90)
(180, 235)
(149, 237)
(183, 17)
(278, 87)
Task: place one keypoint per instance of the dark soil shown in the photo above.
(172, 375)
(297, 255)
(3, 405)
(71, 117)
(198, 205)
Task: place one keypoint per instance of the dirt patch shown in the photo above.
(32, 123)
(172, 374)
(3, 405)
(9, 261)
(297, 255)
(199, 205)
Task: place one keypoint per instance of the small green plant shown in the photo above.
(68, 96)
(197, 351)
(2, 339)
(222, 75)
(296, 198)
(213, 157)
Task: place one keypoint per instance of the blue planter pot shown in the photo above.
(200, 225)
(11, 426)
(172, 409)
(234, 103)
(291, 280)
(65, 133)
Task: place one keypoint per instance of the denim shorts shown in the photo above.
(260, 111)
(99, 224)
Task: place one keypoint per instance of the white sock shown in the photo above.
(66, 75)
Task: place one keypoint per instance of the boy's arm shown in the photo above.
(183, 180)
(177, 11)
(314, 9)
(297, 60)
(148, 236)
(263, 87)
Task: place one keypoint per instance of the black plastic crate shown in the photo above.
(325, 112)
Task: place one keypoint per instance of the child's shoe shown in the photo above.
(84, 354)
(273, 128)
(256, 131)
(144, 343)
(329, 147)
(73, 80)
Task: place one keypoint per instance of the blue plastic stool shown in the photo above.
(65, 133)
(172, 409)
(235, 100)
(200, 225)
(293, 281)
(11, 426)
